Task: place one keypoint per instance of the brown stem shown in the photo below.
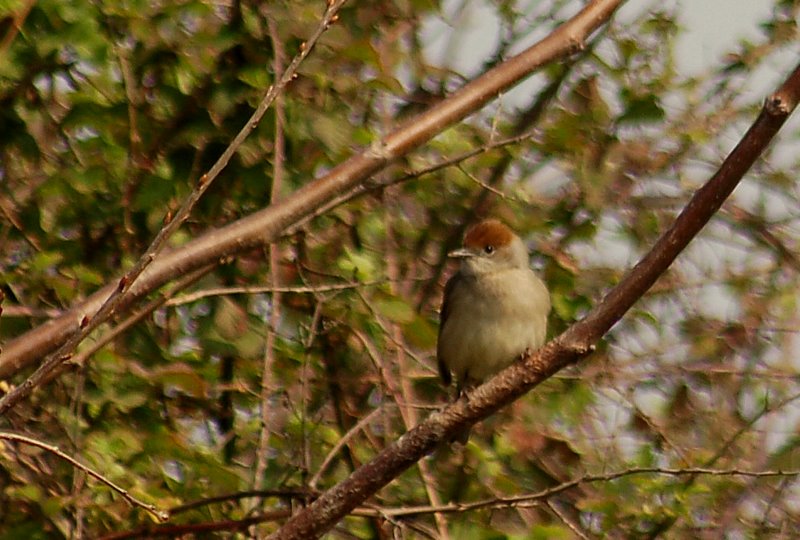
(408, 412)
(268, 361)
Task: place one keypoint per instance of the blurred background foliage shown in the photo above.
(110, 111)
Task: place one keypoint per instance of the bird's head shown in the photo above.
(490, 246)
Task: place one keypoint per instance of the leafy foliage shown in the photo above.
(109, 112)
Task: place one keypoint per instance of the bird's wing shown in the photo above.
(444, 373)
(449, 287)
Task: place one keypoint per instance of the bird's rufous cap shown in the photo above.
(490, 232)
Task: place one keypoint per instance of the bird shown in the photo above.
(494, 308)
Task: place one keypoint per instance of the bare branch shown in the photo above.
(539, 497)
(273, 322)
(262, 289)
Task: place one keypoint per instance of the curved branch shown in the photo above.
(151, 509)
(568, 348)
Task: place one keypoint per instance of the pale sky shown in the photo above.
(714, 27)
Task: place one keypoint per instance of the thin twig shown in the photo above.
(535, 499)
(388, 383)
(380, 183)
(566, 520)
(16, 25)
(197, 530)
(352, 432)
(268, 289)
(25, 311)
(274, 318)
(284, 493)
(395, 338)
(134, 318)
(161, 515)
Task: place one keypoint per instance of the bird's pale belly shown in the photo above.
(476, 356)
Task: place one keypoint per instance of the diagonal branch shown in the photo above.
(568, 348)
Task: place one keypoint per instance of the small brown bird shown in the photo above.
(494, 308)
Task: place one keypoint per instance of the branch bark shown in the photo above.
(268, 224)
(568, 348)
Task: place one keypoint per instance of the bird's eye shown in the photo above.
(488, 249)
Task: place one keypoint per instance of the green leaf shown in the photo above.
(358, 264)
(642, 109)
(395, 310)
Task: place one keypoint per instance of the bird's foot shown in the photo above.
(465, 391)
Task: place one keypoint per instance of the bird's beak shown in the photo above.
(462, 253)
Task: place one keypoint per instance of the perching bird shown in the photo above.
(494, 308)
